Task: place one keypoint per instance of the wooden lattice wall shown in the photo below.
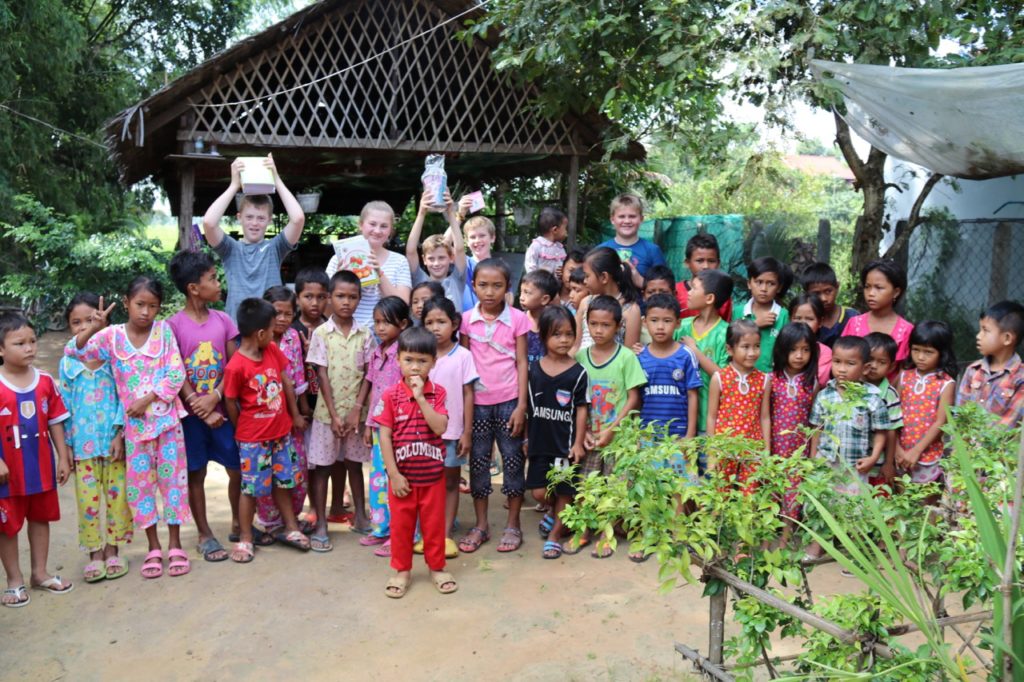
(388, 103)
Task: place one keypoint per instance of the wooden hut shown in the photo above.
(350, 95)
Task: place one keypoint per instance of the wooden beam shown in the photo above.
(187, 183)
(573, 199)
(705, 665)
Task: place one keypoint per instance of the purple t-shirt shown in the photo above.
(204, 348)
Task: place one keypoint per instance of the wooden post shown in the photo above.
(499, 217)
(716, 626)
(572, 199)
(824, 241)
(187, 191)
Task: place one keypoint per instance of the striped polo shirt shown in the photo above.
(419, 452)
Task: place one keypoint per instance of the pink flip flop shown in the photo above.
(384, 550)
(152, 571)
(178, 564)
(373, 540)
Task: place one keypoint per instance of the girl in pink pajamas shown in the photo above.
(148, 372)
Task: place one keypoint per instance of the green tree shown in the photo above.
(663, 65)
(76, 63)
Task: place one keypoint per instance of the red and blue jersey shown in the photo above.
(26, 415)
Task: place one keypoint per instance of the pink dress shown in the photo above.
(267, 512)
(858, 326)
(154, 444)
(824, 364)
(739, 413)
(919, 398)
(791, 402)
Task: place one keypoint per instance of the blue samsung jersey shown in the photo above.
(668, 379)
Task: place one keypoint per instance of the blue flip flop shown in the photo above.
(552, 550)
(545, 525)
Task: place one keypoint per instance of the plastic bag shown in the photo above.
(435, 180)
(961, 122)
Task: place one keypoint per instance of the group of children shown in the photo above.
(294, 389)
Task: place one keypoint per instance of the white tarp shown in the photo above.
(966, 122)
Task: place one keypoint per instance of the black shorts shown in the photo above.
(537, 476)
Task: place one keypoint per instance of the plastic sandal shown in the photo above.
(151, 571)
(373, 540)
(178, 563)
(294, 539)
(209, 547)
(443, 578)
(511, 540)
(244, 549)
(116, 567)
(320, 543)
(55, 585)
(20, 593)
(94, 572)
(384, 551)
(473, 539)
(396, 587)
(545, 526)
(552, 550)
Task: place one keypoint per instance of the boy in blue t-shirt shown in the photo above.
(673, 377)
(627, 213)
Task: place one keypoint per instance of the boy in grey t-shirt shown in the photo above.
(252, 265)
(445, 264)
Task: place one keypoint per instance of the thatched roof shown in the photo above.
(362, 133)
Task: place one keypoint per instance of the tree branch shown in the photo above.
(845, 143)
(914, 219)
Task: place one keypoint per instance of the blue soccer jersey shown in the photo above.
(668, 380)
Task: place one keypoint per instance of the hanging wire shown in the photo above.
(52, 127)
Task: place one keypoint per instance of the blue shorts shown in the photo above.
(451, 455)
(267, 465)
(204, 444)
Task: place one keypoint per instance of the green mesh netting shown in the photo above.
(671, 235)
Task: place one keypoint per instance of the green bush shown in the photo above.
(47, 259)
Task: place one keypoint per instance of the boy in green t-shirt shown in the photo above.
(769, 281)
(615, 377)
(706, 333)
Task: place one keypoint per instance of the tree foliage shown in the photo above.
(76, 63)
(666, 65)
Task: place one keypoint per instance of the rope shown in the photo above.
(480, 4)
(52, 127)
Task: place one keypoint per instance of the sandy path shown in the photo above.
(325, 616)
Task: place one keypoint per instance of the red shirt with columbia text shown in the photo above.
(26, 415)
(419, 452)
(259, 389)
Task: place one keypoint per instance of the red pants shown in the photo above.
(426, 502)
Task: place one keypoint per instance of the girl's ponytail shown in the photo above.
(604, 260)
(630, 294)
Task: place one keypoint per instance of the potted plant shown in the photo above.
(309, 198)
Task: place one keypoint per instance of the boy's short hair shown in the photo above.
(550, 217)
(436, 241)
(702, 240)
(477, 222)
(311, 275)
(379, 206)
(881, 340)
(257, 201)
(770, 264)
(576, 255)
(660, 273)
(664, 302)
(254, 314)
(343, 277)
(417, 340)
(627, 200)
(188, 267)
(1009, 317)
(578, 276)
(607, 304)
(818, 273)
(854, 343)
(11, 322)
(718, 284)
(545, 281)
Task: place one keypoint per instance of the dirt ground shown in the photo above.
(324, 616)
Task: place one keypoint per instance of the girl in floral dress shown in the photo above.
(148, 371)
(287, 339)
(738, 398)
(926, 390)
(794, 385)
(95, 436)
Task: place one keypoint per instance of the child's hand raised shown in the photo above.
(237, 166)
(465, 204)
(426, 203)
(100, 318)
(415, 384)
(269, 163)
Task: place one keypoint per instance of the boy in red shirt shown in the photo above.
(412, 417)
(31, 429)
(260, 402)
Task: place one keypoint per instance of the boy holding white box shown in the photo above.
(252, 265)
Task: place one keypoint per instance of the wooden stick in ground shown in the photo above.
(716, 626)
(1006, 586)
(826, 626)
